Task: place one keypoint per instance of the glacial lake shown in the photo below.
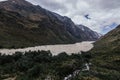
(55, 49)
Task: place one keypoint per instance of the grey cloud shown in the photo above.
(104, 4)
(3, 0)
(49, 4)
(111, 4)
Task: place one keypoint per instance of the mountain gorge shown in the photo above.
(23, 24)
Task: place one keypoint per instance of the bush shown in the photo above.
(39, 64)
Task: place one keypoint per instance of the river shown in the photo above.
(55, 49)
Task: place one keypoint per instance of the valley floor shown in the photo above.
(55, 49)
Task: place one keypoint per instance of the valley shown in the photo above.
(41, 44)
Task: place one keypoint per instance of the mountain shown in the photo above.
(23, 24)
(89, 33)
(106, 56)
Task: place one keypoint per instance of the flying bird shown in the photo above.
(87, 16)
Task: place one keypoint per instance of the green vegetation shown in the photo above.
(106, 56)
(38, 65)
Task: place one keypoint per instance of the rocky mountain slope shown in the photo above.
(23, 24)
(89, 33)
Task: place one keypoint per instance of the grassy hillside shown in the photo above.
(106, 56)
(109, 42)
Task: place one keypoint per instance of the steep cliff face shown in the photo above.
(31, 25)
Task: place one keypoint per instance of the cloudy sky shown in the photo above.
(99, 15)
